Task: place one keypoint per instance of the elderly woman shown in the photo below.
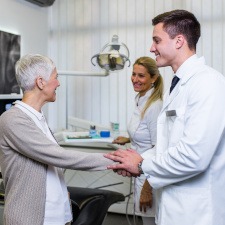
(30, 159)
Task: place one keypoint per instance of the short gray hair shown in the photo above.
(31, 66)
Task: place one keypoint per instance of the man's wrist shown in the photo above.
(140, 167)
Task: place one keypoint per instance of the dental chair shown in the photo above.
(89, 206)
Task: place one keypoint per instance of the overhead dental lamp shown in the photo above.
(110, 58)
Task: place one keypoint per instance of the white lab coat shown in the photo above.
(142, 133)
(189, 167)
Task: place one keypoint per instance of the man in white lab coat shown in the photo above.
(188, 168)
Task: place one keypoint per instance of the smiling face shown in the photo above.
(50, 87)
(163, 47)
(141, 79)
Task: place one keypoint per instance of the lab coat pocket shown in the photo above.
(175, 124)
(185, 206)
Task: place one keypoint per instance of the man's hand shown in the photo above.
(129, 160)
(124, 173)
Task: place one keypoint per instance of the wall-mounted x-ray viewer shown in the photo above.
(9, 53)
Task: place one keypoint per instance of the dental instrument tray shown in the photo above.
(75, 137)
(78, 137)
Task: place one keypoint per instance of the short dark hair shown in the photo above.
(180, 22)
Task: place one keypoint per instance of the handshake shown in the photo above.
(129, 162)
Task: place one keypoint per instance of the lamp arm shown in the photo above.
(129, 62)
(83, 73)
(96, 55)
(128, 55)
(127, 59)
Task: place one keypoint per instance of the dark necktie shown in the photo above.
(174, 83)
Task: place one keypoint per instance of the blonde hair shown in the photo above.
(152, 69)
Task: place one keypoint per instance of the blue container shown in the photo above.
(105, 133)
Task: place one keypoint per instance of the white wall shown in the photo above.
(29, 21)
(79, 29)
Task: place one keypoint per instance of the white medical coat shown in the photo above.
(142, 133)
(189, 167)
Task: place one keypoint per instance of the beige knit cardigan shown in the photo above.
(25, 153)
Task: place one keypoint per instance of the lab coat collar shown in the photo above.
(189, 68)
(185, 72)
(140, 100)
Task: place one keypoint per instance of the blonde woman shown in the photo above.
(148, 82)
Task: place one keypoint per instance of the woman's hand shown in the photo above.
(121, 140)
(128, 162)
(146, 197)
